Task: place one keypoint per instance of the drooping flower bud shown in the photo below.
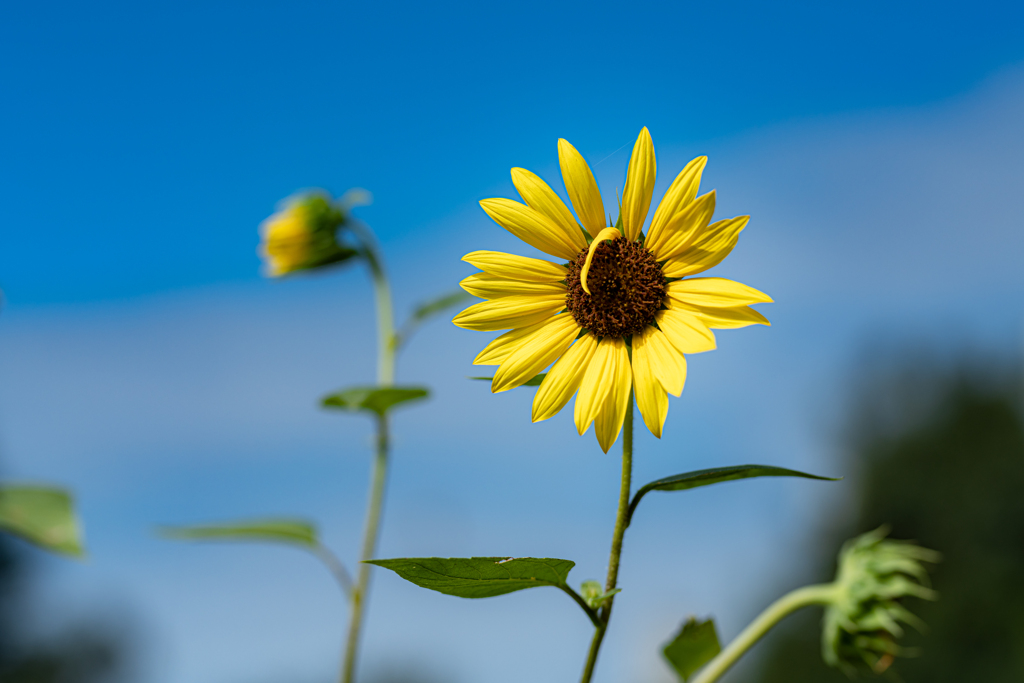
(861, 624)
(303, 235)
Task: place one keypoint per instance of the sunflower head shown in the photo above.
(303, 235)
(617, 311)
(861, 625)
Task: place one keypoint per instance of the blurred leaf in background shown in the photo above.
(940, 454)
(43, 516)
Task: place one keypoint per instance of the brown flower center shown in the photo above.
(627, 288)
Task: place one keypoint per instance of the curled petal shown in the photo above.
(603, 236)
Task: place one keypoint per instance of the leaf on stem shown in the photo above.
(43, 516)
(715, 475)
(695, 645)
(479, 577)
(377, 400)
(533, 382)
(290, 531)
(427, 310)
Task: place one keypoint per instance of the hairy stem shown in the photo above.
(378, 477)
(802, 597)
(605, 614)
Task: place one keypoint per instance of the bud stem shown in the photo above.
(821, 594)
(378, 478)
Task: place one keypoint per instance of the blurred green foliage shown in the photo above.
(939, 452)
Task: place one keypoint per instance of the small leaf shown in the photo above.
(533, 382)
(425, 311)
(715, 475)
(695, 645)
(377, 400)
(43, 516)
(479, 577)
(291, 531)
(435, 306)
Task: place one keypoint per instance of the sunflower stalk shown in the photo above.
(610, 586)
(378, 479)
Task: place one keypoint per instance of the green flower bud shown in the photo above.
(862, 621)
(303, 235)
(593, 594)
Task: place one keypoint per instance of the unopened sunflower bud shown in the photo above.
(303, 235)
(862, 621)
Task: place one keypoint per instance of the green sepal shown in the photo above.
(715, 475)
(479, 577)
(43, 516)
(377, 400)
(695, 645)
(289, 531)
(532, 382)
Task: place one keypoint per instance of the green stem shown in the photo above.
(378, 478)
(605, 614)
(802, 597)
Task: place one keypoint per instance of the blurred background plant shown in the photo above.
(937, 448)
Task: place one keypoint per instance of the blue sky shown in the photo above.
(144, 363)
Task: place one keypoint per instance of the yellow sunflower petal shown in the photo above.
(608, 422)
(537, 351)
(517, 267)
(599, 380)
(492, 287)
(509, 312)
(582, 188)
(681, 193)
(636, 196)
(651, 398)
(666, 362)
(723, 318)
(564, 378)
(685, 228)
(538, 195)
(707, 251)
(501, 348)
(603, 236)
(531, 226)
(715, 292)
(686, 332)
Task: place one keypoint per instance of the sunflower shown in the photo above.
(619, 313)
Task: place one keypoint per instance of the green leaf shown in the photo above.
(427, 310)
(435, 306)
(479, 577)
(695, 645)
(715, 475)
(377, 400)
(533, 382)
(43, 516)
(291, 531)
